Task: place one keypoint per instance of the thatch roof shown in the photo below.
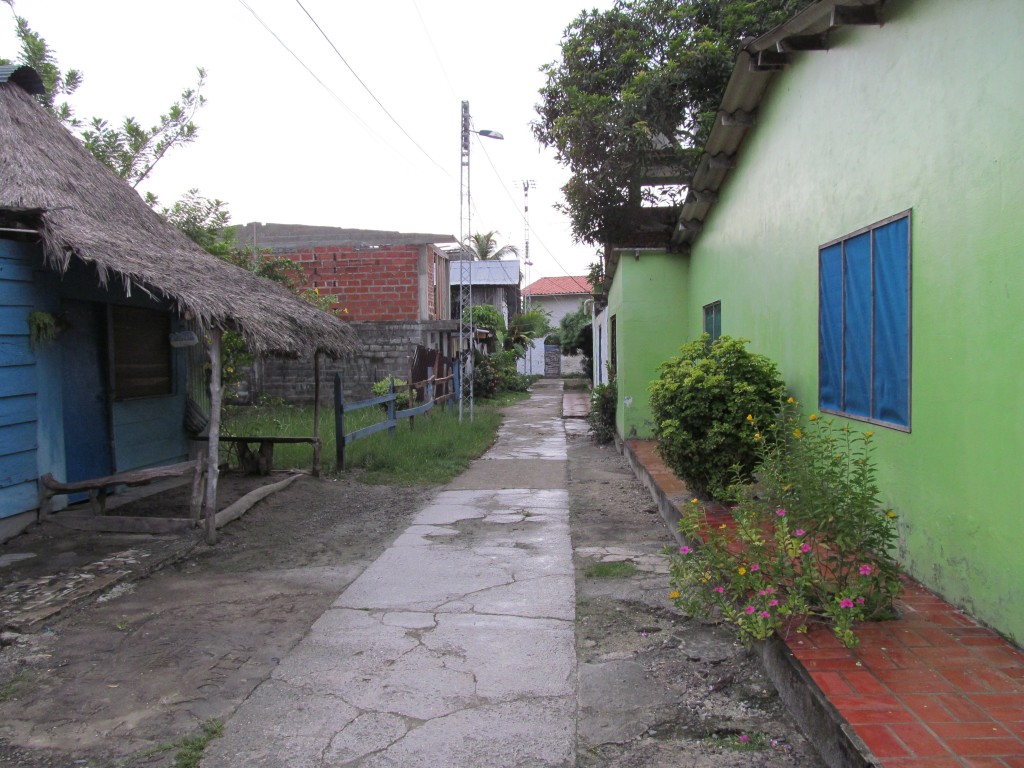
(85, 212)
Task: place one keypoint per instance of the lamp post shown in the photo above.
(466, 265)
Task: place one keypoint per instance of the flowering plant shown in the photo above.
(807, 539)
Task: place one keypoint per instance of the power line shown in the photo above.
(372, 94)
(433, 47)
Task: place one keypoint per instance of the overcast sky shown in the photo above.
(278, 146)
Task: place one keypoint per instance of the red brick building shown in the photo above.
(376, 275)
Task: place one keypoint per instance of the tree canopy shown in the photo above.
(128, 149)
(483, 246)
(638, 87)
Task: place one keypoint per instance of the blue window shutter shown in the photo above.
(830, 327)
(857, 333)
(892, 323)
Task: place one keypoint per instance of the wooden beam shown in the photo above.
(818, 42)
(316, 413)
(213, 458)
(707, 196)
(851, 15)
(739, 119)
(769, 60)
(122, 524)
(693, 225)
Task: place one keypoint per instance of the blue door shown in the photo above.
(84, 389)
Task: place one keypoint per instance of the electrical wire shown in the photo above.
(437, 55)
(372, 94)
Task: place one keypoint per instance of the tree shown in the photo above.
(638, 86)
(130, 150)
(576, 333)
(484, 247)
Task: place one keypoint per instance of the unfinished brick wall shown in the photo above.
(370, 283)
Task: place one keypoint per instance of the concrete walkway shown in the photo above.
(456, 647)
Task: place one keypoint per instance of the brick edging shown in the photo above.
(832, 736)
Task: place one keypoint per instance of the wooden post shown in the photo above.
(428, 390)
(339, 423)
(316, 414)
(457, 384)
(213, 460)
(391, 406)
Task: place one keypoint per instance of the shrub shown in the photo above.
(382, 387)
(701, 402)
(808, 540)
(602, 412)
(486, 377)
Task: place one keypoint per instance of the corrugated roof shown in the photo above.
(24, 76)
(558, 286)
(756, 66)
(487, 272)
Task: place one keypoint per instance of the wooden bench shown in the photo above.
(261, 461)
(97, 487)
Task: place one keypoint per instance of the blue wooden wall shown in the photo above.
(18, 381)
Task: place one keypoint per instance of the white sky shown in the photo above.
(278, 147)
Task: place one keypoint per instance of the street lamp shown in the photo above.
(466, 265)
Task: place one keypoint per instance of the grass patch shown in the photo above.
(436, 450)
(615, 570)
(189, 749)
(21, 681)
(740, 742)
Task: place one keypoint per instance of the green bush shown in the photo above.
(381, 388)
(702, 404)
(602, 412)
(486, 377)
(809, 540)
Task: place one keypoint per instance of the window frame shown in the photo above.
(843, 325)
(158, 326)
(713, 311)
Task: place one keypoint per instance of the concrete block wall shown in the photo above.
(385, 348)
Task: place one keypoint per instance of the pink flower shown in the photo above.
(755, 567)
(719, 590)
(865, 570)
(743, 738)
(773, 603)
(765, 615)
(846, 603)
(799, 532)
(770, 590)
(805, 548)
(762, 592)
(751, 609)
(780, 512)
(860, 601)
(684, 550)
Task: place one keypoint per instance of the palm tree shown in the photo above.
(484, 246)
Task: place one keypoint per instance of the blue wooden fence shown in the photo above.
(393, 416)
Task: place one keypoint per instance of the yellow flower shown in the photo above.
(790, 400)
(345, 310)
(750, 417)
(741, 570)
(316, 291)
(797, 432)
(229, 369)
(694, 501)
(891, 513)
(757, 436)
(813, 416)
(674, 595)
(723, 525)
(868, 434)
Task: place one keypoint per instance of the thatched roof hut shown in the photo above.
(50, 182)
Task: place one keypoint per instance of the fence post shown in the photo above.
(428, 391)
(339, 423)
(391, 406)
(456, 386)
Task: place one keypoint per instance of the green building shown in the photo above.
(858, 214)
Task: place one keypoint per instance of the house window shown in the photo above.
(142, 352)
(864, 324)
(713, 320)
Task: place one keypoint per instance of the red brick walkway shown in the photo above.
(932, 689)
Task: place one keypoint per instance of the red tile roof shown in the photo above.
(555, 286)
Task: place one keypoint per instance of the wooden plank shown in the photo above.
(259, 439)
(116, 524)
(135, 477)
(14, 320)
(17, 378)
(18, 468)
(15, 499)
(15, 438)
(15, 269)
(15, 351)
(18, 409)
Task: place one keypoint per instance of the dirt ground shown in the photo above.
(123, 676)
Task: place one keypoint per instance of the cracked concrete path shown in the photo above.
(456, 646)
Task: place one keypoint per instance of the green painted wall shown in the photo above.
(648, 299)
(923, 113)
